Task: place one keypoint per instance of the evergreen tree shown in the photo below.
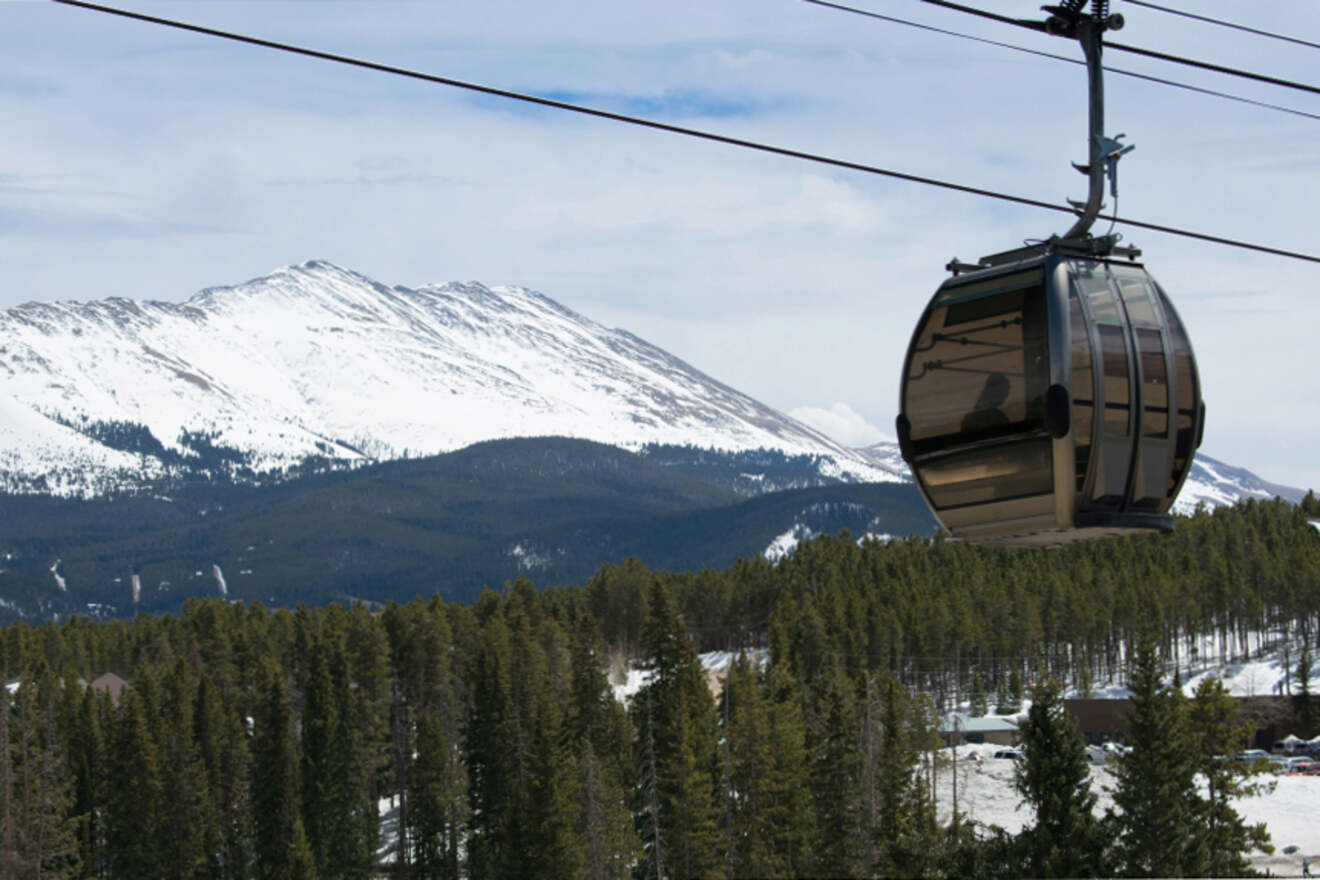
(748, 776)
(902, 831)
(493, 745)
(1054, 779)
(610, 847)
(437, 803)
(553, 848)
(1218, 732)
(188, 821)
(282, 851)
(1306, 704)
(222, 740)
(788, 809)
(40, 839)
(677, 754)
(1158, 828)
(835, 783)
(980, 702)
(87, 725)
(134, 791)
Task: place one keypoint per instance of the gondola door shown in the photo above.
(1114, 428)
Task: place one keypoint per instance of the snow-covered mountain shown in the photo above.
(315, 361)
(1211, 482)
(318, 363)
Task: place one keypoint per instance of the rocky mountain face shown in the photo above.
(315, 363)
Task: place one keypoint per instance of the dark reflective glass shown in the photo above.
(1118, 394)
(1083, 388)
(978, 370)
(1187, 393)
(1154, 385)
(995, 473)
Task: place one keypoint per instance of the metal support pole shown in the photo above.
(1089, 32)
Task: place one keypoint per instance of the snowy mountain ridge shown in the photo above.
(316, 361)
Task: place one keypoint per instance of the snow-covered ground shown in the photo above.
(986, 795)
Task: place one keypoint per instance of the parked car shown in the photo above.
(1097, 755)
(1010, 754)
(1305, 768)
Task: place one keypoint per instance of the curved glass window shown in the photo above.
(974, 393)
(1154, 384)
(1083, 388)
(1187, 391)
(978, 369)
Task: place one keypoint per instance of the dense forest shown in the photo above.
(442, 739)
(552, 508)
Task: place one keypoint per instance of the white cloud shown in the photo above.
(842, 423)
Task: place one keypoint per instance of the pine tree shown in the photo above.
(677, 754)
(281, 846)
(610, 847)
(748, 775)
(492, 745)
(1218, 732)
(188, 821)
(133, 793)
(980, 702)
(223, 745)
(835, 783)
(1156, 782)
(902, 828)
(42, 840)
(437, 803)
(87, 758)
(1306, 704)
(1054, 779)
(554, 848)
(788, 811)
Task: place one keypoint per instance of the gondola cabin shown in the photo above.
(1048, 400)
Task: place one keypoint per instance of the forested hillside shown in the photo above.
(553, 508)
(252, 742)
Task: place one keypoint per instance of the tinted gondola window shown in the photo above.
(1187, 393)
(995, 473)
(1137, 297)
(1113, 353)
(974, 393)
(1083, 388)
(979, 366)
(1154, 385)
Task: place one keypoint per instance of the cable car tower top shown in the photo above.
(1068, 20)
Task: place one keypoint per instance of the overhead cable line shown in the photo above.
(1078, 61)
(662, 126)
(1227, 24)
(1135, 50)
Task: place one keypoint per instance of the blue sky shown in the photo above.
(146, 163)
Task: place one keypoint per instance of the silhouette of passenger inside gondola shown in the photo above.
(986, 416)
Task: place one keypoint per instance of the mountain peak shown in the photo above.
(318, 361)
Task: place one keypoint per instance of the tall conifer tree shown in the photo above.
(677, 755)
(1156, 782)
(282, 851)
(1054, 779)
